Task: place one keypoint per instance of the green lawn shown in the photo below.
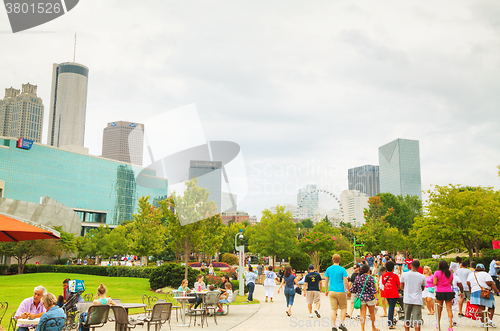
(16, 288)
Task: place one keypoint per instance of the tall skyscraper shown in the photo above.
(209, 174)
(68, 104)
(364, 179)
(310, 201)
(21, 114)
(354, 204)
(123, 141)
(399, 163)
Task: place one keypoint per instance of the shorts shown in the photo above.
(399, 264)
(427, 294)
(224, 301)
(477, 300)
(415, 312)
(338, 300)
(467, 295)
(353, 296)
(445, 296)
(369, 303)
(313, 297)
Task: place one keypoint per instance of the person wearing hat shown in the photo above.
(478, 280)
(312, 290)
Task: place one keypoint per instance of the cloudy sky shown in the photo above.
(308, 89)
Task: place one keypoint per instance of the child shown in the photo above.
(60, 301)
(225, 297)
(211, 288)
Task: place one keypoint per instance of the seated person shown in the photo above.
(66, 292)
(184, 288)
(50, 304)
(226, 297)
(101, 297)
(211, 288)
(60, 301)
(199, 285)
(31, 307)
(225, 280)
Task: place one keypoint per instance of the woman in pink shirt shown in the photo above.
(443, 278)
(428, 294)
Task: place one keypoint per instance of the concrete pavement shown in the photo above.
(272, 316)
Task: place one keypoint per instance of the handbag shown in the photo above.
(485, 293)
(430, 289)
(357, 301)
(471, 311)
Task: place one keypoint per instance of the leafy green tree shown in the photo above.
(316, 244)
(274, 234)
(305, 224)
(324, 226)
(228, 240)
(194, 205)
(405, 210)
(347, 231)
(146, 234)
(214, 233)
(22, 251)
(67, 244)
(460, 216)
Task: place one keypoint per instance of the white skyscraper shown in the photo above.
(308, 197)
(68, 104)
(354, 204)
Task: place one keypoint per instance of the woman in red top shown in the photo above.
(391, 283)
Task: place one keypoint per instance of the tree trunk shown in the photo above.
(186, 260)
(20, 266)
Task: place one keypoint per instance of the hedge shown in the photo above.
(214, 264)
(112, 271)
(171, 275)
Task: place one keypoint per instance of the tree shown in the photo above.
(67, 244)
(460, 217)
(146, 234)
(228, 240)
(405, 209)
(274, 234)
(22, 251)
(305, 224)
(316, 244)
(324, 226)
(193, 206)
(214, 233)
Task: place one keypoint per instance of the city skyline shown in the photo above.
(306, 102)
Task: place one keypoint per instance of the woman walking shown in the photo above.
(481, 280)
(270, 283)
(364, 287)
(383, 300)
(391, 283)
(429, 291)
(443, 278)
(399, 263)
(288, 280)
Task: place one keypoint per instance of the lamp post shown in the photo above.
(241, 255)
(356, 245)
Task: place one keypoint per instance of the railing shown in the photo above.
(348, 264)
(455, 250)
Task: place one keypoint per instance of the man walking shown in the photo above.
(353, 295)
(336, 284)
(312, 290)
(463, 273)
(260, 274)
(413, 283)
(493, 271)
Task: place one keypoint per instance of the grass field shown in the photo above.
(16, 288)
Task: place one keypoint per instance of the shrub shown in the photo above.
(236, 286)
(346, 257)
(171, 275)
(216, 269)
(230, 259)
(231, 272)
(211, 279)
(300, 261)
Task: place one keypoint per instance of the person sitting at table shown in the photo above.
(31, 307)
(101, 297)
(199, 285)
(184, 288)
(225, 280)
(50, 304)
(211, 288)
(226, 297)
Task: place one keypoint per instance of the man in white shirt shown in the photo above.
(413, 283)
(463, 273)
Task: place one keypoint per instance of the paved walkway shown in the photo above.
(272, 316)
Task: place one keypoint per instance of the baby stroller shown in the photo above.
(76, 288)
(399, 309)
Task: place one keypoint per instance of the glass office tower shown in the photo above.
(399, 165)
(105, 191)
(364, 179)
(209, 174)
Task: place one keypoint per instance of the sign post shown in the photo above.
(356, 245)
(241, 258)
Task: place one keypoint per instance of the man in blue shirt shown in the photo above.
(493, 270)
(370, 260)
(313, 285)
(336, 284)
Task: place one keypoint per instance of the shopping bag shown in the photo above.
(471, 311)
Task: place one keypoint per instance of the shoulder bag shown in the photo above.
(357, 301)
(485, 293)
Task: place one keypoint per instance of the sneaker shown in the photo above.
(318, 315)
(334, 329)
(483, 325)
(491, 324)
(266, 299)
(271, 299)
(310, 315)
(342, 327)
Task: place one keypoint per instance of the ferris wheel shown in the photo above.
(320, 203)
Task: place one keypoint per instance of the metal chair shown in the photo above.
(52, 324)
(199, 312)
(122, 322)
(169, 297)
(161, 313)
(13, 322)
(145, 300)
(3, 310)
(97, 316)
(235, 294)
(88, 297)
(211, 303)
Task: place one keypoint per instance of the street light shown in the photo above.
(241, 254)
(356, 245)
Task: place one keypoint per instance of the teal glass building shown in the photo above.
(399, 167)
(99, 190)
